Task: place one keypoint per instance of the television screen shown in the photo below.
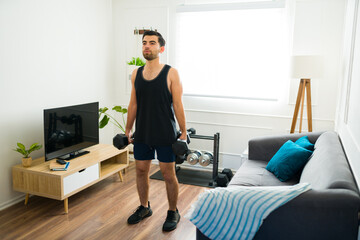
(68, 130)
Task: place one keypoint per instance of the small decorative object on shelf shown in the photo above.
(26, 160)
(54, 166)
(141, 31)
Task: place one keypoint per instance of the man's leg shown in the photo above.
(142, 180)
(172, 186)
(172, 189)
(142, 184)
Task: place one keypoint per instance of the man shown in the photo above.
(155, 96)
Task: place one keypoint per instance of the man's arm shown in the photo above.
(177, 91)
(131, 114)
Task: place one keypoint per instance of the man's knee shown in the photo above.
(142, 169)
(169, 176)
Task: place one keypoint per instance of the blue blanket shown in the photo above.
(237, 212)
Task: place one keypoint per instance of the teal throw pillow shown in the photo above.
(288, 160)
(305, 143)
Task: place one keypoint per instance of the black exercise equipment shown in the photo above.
(212, 181)
(228, 173)
(192, 176)
(180, 159)
(180, 147)
(215, 162)
(221, 180)
(191, 131)
(120, 141)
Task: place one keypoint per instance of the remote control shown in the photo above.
(60, 161)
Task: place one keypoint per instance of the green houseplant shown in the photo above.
(136, 61)
(26, 160)
(106, 117)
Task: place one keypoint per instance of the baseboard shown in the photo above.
(12, 202)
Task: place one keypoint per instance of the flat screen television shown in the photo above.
(68, 130)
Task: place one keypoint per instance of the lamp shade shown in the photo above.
(309, 66)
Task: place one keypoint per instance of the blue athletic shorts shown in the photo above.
(145, 152)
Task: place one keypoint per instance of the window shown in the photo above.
(240, 53)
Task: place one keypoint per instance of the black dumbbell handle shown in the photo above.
(187, 136)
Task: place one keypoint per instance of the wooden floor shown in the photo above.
(99, 212)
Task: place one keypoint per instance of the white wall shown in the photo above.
(348, 117)
(128, 16)
(318, 28)
(52, 53)
(56, 53)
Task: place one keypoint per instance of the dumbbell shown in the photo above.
(228, 173)
(206, 158)
(180, 147)
(120, 141)
(221, 180)
(180, 159)
(193, 158)
(191, 131)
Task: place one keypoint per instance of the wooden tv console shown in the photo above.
(84, 171)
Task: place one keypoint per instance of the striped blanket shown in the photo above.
(237, 212)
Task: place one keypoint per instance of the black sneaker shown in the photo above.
(140, 213)
(172, 219)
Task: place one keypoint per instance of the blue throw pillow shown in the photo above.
(305, 143)
(288, 160)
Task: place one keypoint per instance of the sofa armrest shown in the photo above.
(316, 214)
(313, 215)
(264, 148)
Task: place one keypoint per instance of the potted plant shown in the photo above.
(132, 65)
(107, 117)
(26, 160)
(136, 61)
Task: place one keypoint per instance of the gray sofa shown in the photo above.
(328, 211)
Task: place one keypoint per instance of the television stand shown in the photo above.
(103, 161)
(73, 155)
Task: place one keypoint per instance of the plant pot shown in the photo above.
(26, 162)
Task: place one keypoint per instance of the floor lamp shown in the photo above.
(305, 68)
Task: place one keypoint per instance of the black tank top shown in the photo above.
(155, 122)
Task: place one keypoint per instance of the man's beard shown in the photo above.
(150, 56)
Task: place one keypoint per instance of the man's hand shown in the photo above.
(183, 136)
(129, 136)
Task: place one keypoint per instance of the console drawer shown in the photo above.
(80, 179)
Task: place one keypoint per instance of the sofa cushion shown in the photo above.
(253, 173)
(265, 147)
(305, 143)
(328, 167)
(288, 160)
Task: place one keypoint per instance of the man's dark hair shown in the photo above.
(154, 33)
